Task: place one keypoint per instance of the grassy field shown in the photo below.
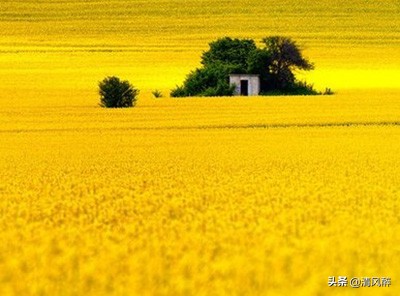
(227, 196)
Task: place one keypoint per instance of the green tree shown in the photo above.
(115, 93)
(276, 63)
(225, 56)
(232, 53)
(284, 58)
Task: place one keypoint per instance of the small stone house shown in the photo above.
(246, 84)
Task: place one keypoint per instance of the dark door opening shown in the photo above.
(244, 87)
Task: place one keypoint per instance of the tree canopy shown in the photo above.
(284, 56)
(231, 53)
(115, 93)
(275, 62)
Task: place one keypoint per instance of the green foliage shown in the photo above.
(232, 53)
(285, 57)
(302, 88)
(258, 63)
(285, 53)
(157, 94)
(221, 89)
(115, 93)
(225, 56)
(178, 92)
(208, 81)
(275, 63)
(328, 92)
(298, 88)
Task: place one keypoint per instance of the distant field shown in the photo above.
(52, 48)
(216, 196)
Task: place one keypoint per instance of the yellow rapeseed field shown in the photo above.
(199, 196)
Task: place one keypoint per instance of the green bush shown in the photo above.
(328, 92)
(298, 88)
(115, 93)
(157, 94)
(302, 88)
(209, 81)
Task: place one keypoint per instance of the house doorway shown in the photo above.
(244, 87)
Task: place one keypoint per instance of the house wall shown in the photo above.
(253, 81)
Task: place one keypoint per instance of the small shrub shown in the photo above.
(115, 93)
(302, 88)
(328, 92)
(157, 94)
